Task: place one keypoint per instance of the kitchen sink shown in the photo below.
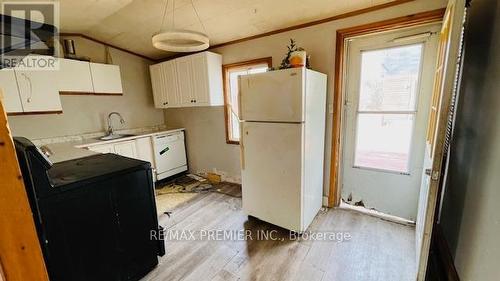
(115, 137)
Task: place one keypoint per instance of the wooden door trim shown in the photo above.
(428, 17)
(225, 81)
(20, 252)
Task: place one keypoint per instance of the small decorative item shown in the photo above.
(298, 59)
(295, 57)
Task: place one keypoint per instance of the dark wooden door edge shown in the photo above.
(342, 35)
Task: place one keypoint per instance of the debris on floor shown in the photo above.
(180, 190)
(213, 178)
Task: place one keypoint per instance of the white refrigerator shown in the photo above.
(282, 145)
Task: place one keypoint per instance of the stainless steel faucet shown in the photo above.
(110, 126)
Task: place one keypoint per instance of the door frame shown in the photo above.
(453, 16)
(21, 255)
(339, 83)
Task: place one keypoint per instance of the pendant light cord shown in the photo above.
(198, 16)
(164, 14)
(173, 16)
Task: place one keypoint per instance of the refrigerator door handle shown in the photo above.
(242, 148)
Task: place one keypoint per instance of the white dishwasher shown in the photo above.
(170, 154)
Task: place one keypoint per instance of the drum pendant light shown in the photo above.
(180, 40)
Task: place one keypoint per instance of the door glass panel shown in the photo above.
(389, 78)
(383, 141)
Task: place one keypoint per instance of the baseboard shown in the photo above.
(443, 253)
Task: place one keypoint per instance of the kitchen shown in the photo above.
(222, 151)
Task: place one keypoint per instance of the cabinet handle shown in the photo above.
(194, 100)
(30, 86)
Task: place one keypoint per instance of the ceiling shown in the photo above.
(130, 24)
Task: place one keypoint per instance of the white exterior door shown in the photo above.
(275, 96)
(386, 109)
(271, 172)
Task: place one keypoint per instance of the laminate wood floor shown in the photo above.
(377, 249)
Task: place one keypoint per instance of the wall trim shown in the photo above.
(343, 34)
(225, 87)
(299, 26)
(315, 22)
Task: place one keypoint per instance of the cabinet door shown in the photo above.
(106, 148)
(158, 85)
(126, 149)
(74, 76)
(8, 87)
(184, 80)
(200, 79)
(170, 83)
(144, 149)
(38, 91)
(106, 78)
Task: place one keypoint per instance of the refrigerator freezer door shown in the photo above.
(272, 172)
(276, 96)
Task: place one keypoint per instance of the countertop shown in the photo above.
(64, 151)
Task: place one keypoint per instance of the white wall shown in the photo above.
(319, 42)
(87, 114)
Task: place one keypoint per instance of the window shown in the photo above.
(387, 107)
(231, 73)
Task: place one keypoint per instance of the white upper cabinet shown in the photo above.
(74, 76)
(106, 78)
(8, 85)
(38, 91)
(200, 75)
(184, 69)
(164, 82)
(196, 80)
(157, 80)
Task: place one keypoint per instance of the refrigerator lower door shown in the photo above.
(276, 96)
(272, 173)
